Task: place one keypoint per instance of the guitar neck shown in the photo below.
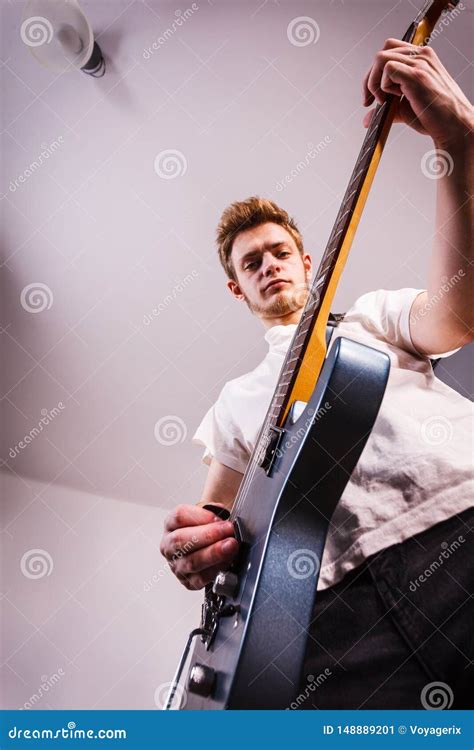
(333, 260)
(307, 351)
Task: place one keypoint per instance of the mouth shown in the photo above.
(275, 283)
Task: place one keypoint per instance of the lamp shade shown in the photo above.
(60, 37)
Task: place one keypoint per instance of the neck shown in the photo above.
(282, 320)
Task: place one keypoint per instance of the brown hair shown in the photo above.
(247, 214)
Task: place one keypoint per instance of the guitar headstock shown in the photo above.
(427, 18)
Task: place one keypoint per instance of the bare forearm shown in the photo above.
(442, 318)
(450, 277)
(433, 103)
(221, 486)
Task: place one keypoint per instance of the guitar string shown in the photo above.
(253, 463)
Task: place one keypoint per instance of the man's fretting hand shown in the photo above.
(197, 545)
(432, 104)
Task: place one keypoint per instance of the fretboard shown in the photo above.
(322, 278)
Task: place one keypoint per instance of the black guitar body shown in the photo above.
(252, 651)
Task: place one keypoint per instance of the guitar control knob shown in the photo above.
(201, 680)
(225, 584)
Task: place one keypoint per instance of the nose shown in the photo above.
(270, 264)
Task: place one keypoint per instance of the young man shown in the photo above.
(392, 623)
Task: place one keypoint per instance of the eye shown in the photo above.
(283, 253)
(250, 265)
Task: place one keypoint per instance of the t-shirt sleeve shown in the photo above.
(221, 437)
(386, 314)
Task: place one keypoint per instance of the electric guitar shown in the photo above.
(248, 651)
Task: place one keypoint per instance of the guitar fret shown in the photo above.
(353, 193)
(297, 335)
(371, 134)
(344, 215)
(374, 124)
(359, 173)
(328, 252)
(370, 148)
(301, 333)
(325, 269)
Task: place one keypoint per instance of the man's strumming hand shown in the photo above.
(197, 544)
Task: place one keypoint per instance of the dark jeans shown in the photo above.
(396, 624)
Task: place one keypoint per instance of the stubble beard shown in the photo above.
(283, 303)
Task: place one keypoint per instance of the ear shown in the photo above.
(307, 263)
(235, 289)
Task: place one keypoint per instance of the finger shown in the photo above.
(393, 43)
(188, 515)
(197, 581)
(395, 47)
(411, 84)
(219, 553)
(182, 542)
(378, 70)
(368, 118)
(367, 96)
(404, 113)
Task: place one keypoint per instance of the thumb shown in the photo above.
(219, 509)
(368, 118)
(404, 113)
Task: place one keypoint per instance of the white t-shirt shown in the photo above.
(416, 468)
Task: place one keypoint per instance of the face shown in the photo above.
(272, 276)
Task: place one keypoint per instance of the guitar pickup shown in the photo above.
(271, 452)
